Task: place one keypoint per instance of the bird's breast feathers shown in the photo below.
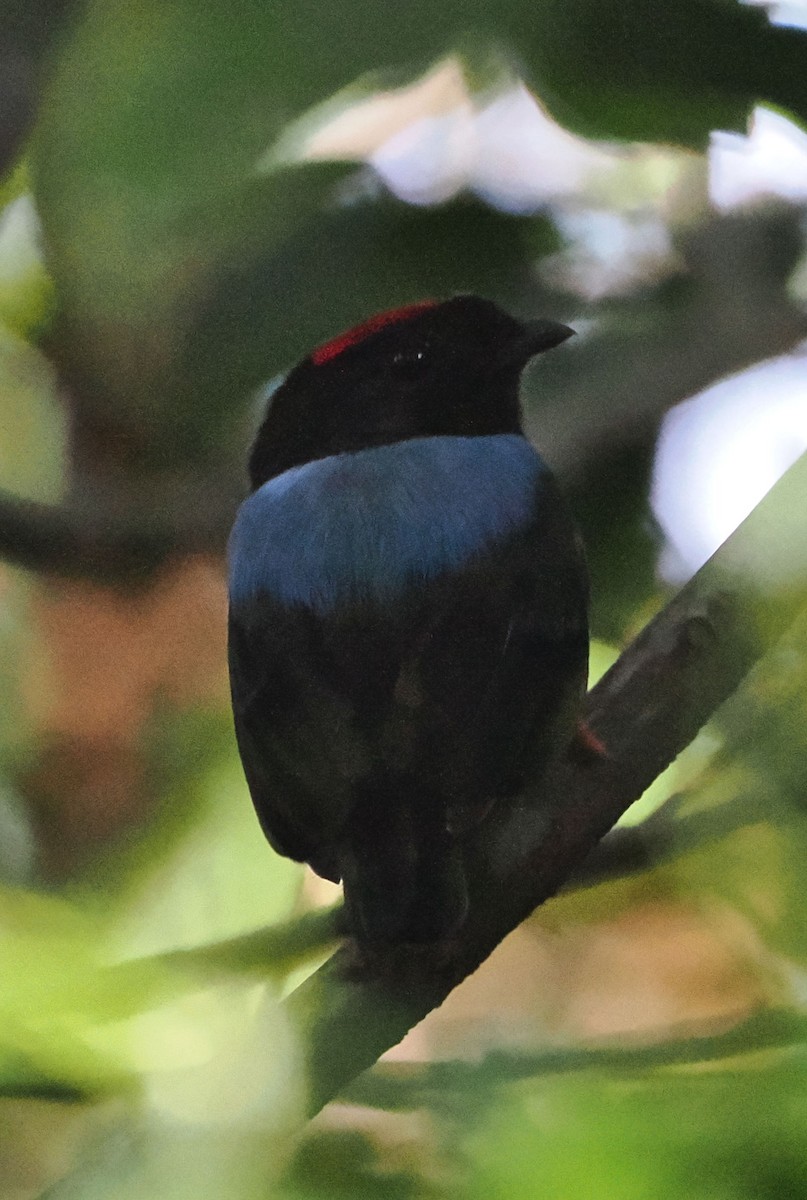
(365, 526)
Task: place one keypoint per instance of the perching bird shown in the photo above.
(408, 608)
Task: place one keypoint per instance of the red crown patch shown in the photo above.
(358, 333)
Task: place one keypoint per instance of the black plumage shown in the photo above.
(408, 619)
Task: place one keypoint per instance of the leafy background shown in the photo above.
(189, 203)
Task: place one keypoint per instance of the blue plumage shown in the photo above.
(408, 609)
(363, 526)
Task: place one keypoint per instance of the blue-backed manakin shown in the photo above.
(408, 608)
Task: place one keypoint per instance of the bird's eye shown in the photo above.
(410, 363)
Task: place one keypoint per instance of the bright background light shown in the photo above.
(720, 452)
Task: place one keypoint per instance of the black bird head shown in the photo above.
(430, 369)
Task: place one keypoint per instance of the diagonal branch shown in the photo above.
(651, 704)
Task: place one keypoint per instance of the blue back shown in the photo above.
(367, 525)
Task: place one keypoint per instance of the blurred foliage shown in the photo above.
(731, 1133)
(166, 250)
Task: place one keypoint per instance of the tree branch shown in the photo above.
(414, 1085)
(274, 949)
(650, 705)
(61, 540)
(663, 837)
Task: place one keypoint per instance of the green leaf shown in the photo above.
(200, 871)
(391, 254)
(158, 114)
(131, 264)
(53, 996)
(144, 166)
(32, 445)
(735, 1134)
(220, 881)
(218, 1098)
(670, 73)
(760, 869)
(28, 29)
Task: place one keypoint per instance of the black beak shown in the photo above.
(533, 338)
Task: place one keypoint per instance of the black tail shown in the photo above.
(402, 871)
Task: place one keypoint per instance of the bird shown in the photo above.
(408, 609)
